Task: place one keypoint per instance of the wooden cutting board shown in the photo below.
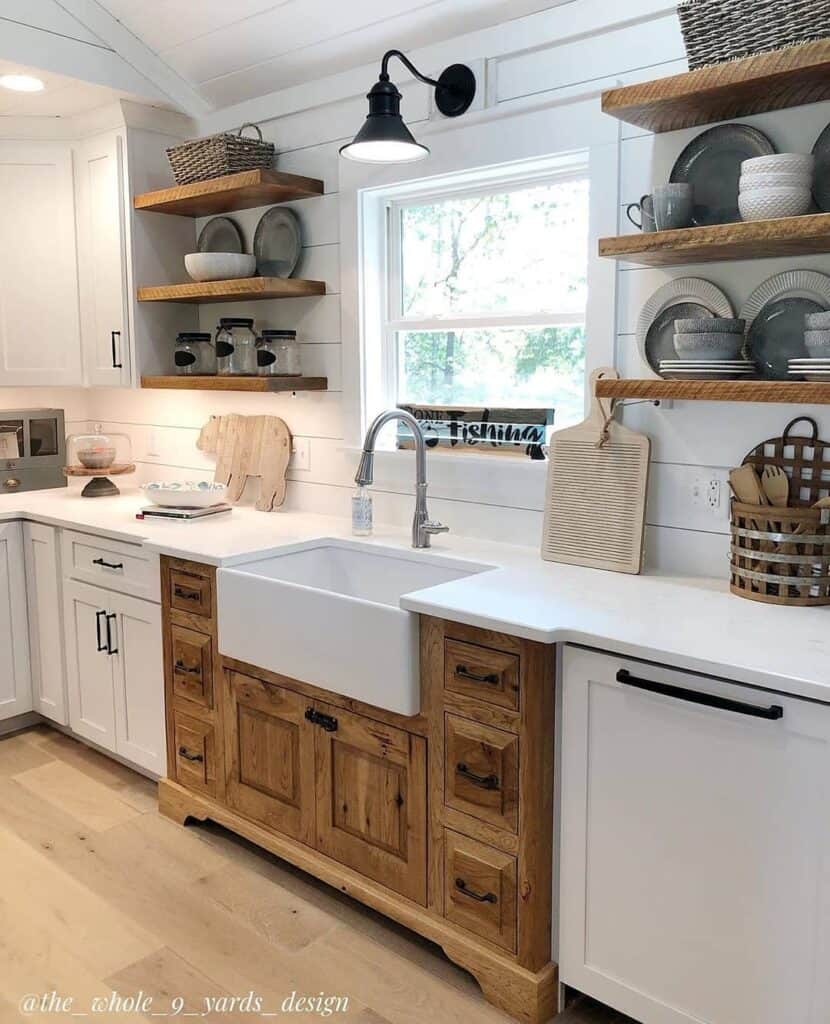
(596, 493)
(249, 446)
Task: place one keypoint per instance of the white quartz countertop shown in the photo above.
(689, 623)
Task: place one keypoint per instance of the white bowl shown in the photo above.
(187, 494)
(219, 266)
(770, 203)
(788, 163)
(773, 179)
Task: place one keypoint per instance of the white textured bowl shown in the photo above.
(787, 163)
(770, 203)
(187, 494)
(772, 179)
(711, 345)
(219, 266)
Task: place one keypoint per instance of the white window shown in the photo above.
(486, 295)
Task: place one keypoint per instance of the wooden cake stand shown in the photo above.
(100, 486)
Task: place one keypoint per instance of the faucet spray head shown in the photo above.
(366, 470)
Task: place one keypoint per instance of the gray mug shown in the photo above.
(646, 211)
(673, 206)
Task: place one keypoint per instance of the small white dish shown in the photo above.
(774, 179)
(773, 203)
(185, 494)
(219, 266)
(786, 163)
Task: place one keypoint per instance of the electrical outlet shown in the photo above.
(300, 454)
(707, 493)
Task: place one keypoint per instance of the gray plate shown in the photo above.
(220, 235)
(821, 179)
(659, 343)
(711, 163)
(777, 335)
(277, 243)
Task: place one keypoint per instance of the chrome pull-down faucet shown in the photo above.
(422, 526)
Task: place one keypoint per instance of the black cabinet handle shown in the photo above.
(485, 781)
(116, 365)
(327, 722)
(491, 679)
(110, 619)
(709, 700)
(101, 647)
(192, 671)
(107, 565)
(187, 595)
(185, 753)
(479, 897)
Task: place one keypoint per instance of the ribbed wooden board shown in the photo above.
(240, 191)
(802, 392)
(232, 291)
(273, 384)
(769, 81)
(750, 240)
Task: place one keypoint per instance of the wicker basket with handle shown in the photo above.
(217, 155)
(782, 555)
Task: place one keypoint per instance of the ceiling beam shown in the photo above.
(140, 57)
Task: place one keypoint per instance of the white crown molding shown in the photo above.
(111, 116)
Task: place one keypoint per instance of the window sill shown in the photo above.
(469, 460)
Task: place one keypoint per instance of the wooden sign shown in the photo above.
(479, 429)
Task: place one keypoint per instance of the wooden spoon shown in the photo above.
(746, 486)
(776, 485)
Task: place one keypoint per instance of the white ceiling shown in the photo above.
(62, 97)
(233, 50)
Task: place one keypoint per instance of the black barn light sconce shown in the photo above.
(384, 138)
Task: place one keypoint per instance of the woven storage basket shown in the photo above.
(216, 155)
(782, 555)
(715, 31)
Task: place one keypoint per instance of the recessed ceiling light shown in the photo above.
(21, 83)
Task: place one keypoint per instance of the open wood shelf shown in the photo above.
(746, 240)
(262, 384)
(240, 191)
(768, 81)
(809, 393)
(232, 291)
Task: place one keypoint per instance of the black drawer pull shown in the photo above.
(107, 565)
(111, 617)
(193, 670)
(327, 722)
(479, 897)
(116, 363)
(709, 700)
(491, 679)
(485, 781)
(185, 753)
(187, 595)
(98, 615)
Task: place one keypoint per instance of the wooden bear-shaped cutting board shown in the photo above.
(258, 446)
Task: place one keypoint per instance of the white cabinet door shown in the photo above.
(695, 846)
(46, 641)
(89, 673)
(39, 328)
(102, 270)
(15, 679)
(135, 637)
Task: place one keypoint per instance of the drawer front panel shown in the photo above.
(195, 752)
(482, 770)
(482, 673)
(480, 889)
(191, 593)
(192, 668)
(125, 568)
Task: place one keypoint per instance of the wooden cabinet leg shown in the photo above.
(174, 804)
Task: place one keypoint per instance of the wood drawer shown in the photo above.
(195, 753)
(480, 672)
(112, 564)
(191, 593)
(480, 889)
(191, 656)
(482, 772)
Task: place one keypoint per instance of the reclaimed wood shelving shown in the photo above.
(244, 288)
(754, 85)
(804, 392)
(261, 384)
(241, 191)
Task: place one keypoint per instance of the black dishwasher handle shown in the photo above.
(709, 700)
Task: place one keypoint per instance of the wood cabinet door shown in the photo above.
(372, 799)
(43, 592)
(15, 678)
(270, 756)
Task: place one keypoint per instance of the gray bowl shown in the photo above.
(817, 343)
(710, 325)
(708, 345)
(817, 321)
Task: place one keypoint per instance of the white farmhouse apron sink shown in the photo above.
(328, 613)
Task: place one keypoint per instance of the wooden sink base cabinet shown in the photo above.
(443, 821)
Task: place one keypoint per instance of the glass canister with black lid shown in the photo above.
(278, 354)
(195, 354)
(236, 347)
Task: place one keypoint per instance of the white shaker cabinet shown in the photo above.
(695, 846)
(15, 679)
(43, 593)
(115, 674)
(39, 323)
(102, 260)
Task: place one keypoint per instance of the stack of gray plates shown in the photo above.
(809, 369)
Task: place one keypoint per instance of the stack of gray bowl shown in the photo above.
(708, 348)
(815, 365)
